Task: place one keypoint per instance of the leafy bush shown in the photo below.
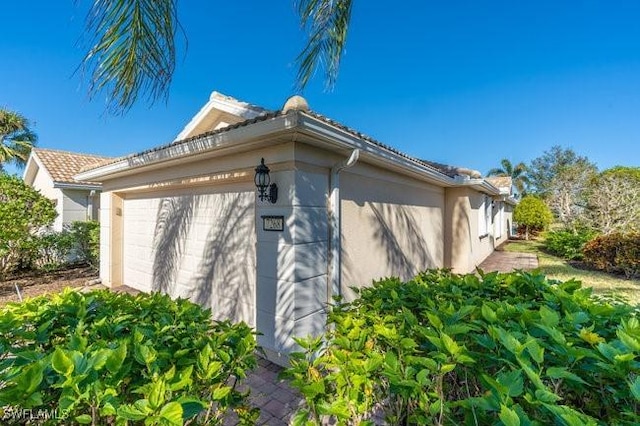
(568, 243)
(23, 210)
(615, 253)
(86, 237)
(532, 214)
(112, 358)
(492, 349)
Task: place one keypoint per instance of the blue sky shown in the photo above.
(460, 82)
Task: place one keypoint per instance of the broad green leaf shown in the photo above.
(629, 341)
(30, 378)
(508, 416)
(563, 373)
(61, 363)
(488, 313)
(546, 396)
(450, 345)
(130, 412)
(435, 321)
(513, 382)
(157, 393)
(548, 317)
(107, 409)
(172, 413)
(84, 419)
(191, 407)
(116, 358)
(220, 393)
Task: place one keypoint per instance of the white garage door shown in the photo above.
(195, 244)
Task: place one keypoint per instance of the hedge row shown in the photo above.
(615, 253)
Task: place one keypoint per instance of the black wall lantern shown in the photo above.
(266, 191)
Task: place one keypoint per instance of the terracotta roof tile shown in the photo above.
(500, 182)
(63, 165)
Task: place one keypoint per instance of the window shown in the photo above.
(500, 221)
(484, 217)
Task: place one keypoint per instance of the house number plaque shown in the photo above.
(273, 223)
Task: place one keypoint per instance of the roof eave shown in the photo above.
(191, 147)
(79, 185)
(346, 140)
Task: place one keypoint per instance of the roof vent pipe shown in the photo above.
(335, 243)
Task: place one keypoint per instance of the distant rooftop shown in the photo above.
(63, 165)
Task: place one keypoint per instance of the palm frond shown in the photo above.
(497, 172)
(16, 139)
(132, 50)
(327, 24)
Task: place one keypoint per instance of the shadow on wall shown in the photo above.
(397, 231)
(401, 237)
(225, 278)
(173, 222)
(214, 232)
(461, 238)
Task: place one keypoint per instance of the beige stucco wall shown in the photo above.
(391, 226)
(465, 248)
(43, 183)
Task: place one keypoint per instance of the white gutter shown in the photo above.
(335, 240)
(79, 185)
(478, 184)
(344, 139)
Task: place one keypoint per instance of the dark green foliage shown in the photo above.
(86, 237)
(615, 253)
(511, 349)
(568, 243)
(112, 358)
(23, 210)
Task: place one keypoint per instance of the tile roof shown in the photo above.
(500, 182)
(449, 171)
(63, 165)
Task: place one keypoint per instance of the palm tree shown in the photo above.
(16, 138)
(517, 173)
(132, 46)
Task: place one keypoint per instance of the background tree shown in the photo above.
(613, 200)
(133, 46)
(517, 173)
(532, 214)
(16, 138)
(561, 177)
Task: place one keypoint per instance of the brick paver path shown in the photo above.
(506, 261)
(276, 400)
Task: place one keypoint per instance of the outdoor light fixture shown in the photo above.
(266, 191)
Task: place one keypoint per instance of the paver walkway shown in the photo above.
(506, 261)
(276, 400)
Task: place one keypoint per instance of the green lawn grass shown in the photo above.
(557, 268)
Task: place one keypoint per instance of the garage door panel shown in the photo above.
(200, 247)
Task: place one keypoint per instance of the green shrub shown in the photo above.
(568, 243)
(112, 358)
(615, 253)
(23, 211)
(86, 237)
(511, 349)
(532, 215)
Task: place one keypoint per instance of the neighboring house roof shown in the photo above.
(61, 166)
(503, 183)
(446, 175)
